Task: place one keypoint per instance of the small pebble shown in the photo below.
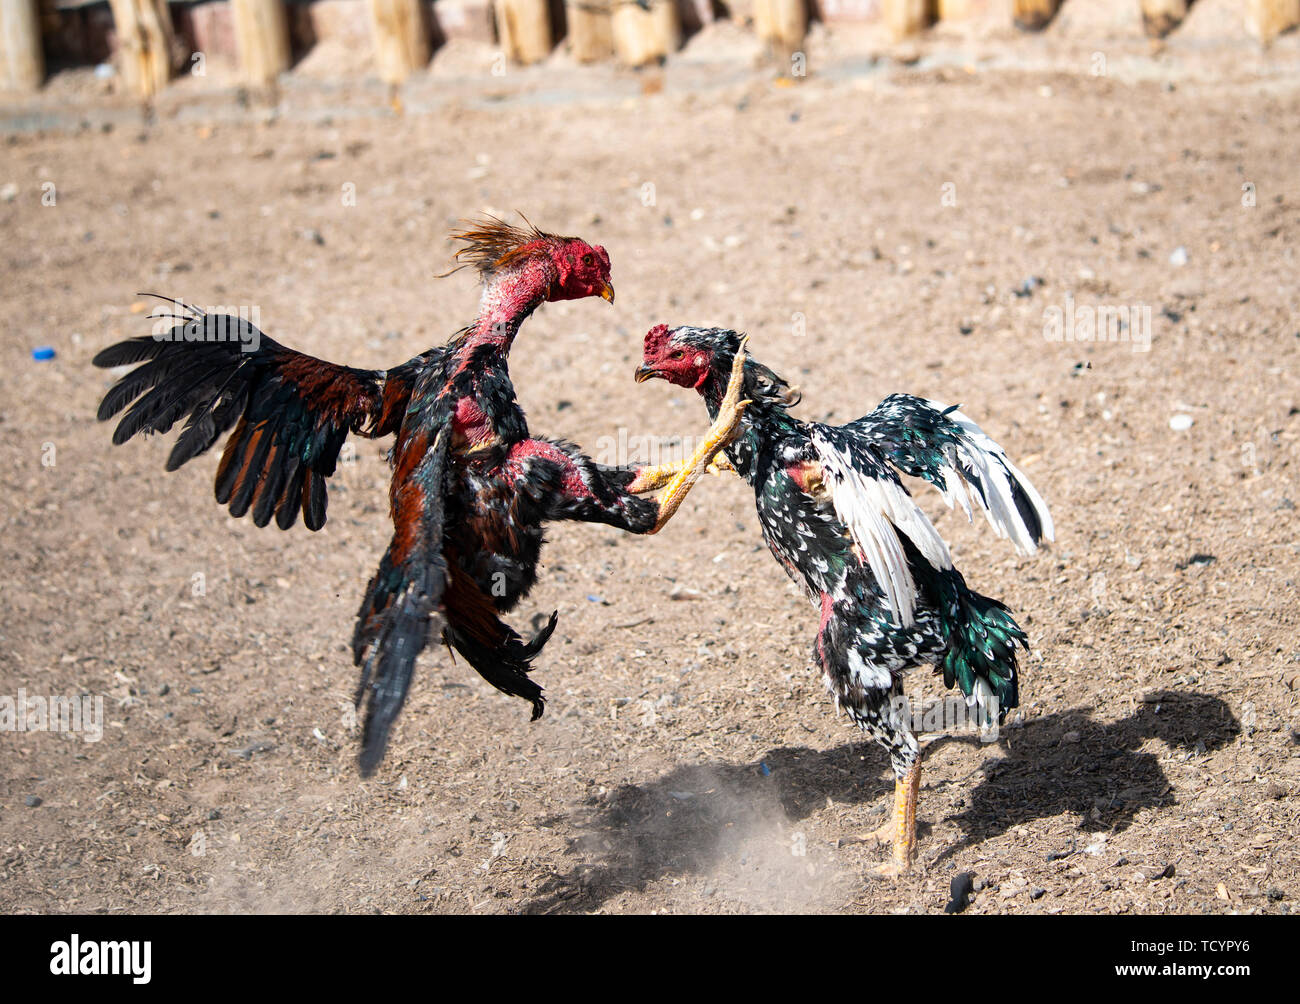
(264, 746)
(1179, 258)
(1181, 423)
(32, 801)
(959, 891)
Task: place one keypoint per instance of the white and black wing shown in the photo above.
(938, 443)
(872, 503)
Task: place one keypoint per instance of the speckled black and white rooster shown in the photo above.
(839, 520)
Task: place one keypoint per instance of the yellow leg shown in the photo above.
(649, 479)
(722, 432)
(903, 825)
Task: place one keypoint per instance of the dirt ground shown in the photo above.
(689, 760)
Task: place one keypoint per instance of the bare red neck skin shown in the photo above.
(508, 299)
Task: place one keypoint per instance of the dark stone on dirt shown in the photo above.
(959, 890)
(246, 752)
(1058, 855)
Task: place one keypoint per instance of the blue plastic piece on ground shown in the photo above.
(765, 770)
(42, 352)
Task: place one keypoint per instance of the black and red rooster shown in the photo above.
(471, 488)
(841, 523)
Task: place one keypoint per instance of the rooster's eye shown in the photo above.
(678, 354)
(588, 260)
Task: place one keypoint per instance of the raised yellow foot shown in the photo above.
(720, 434)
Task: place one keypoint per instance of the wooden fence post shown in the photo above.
(1266, 19)
(1160, 17)
(645, 31)
(1034, 15)
(591, 36)
(262, 34)
(524, 28)
(401, 38)
(22, 60)
(782, 24)
(960, 10)
(144, 42)
(908, 17)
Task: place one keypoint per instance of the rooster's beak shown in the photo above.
(644, 373)
(607, 292)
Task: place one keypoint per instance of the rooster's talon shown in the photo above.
(883, 834)
(889, 869)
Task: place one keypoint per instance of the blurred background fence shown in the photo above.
(147, 43)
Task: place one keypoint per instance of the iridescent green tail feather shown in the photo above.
(982, 640)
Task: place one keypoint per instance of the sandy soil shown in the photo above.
(689, 759)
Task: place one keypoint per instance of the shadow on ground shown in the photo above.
(694, 817)
(1068, 763)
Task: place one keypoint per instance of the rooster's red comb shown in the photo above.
(656, 337)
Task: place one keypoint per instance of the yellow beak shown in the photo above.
(644, 373)
(607, 292)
